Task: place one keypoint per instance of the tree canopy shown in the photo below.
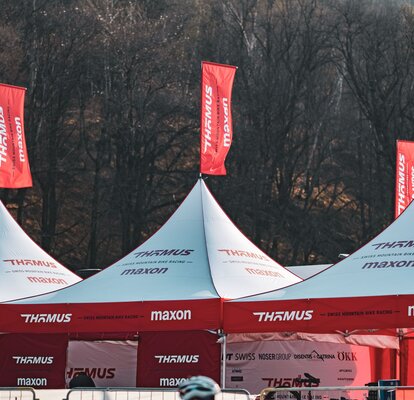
(323, 90)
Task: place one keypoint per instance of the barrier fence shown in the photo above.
(12, 393)
(144, 394)
(339, 393)
(108, 394)
(271, 393)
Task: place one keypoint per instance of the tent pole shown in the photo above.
(223, 357)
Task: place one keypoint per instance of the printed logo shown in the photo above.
(241, 356)
(31, 382)
(227, 136)
(178, 359)
(410, 311)
(289, 382)
(264, 272)
(208, 101)
(46, 318)
(33, 360)
(35, 263)
(100, 373)
(3, 137)
(314, 356)
(243, 253)
(144, 271)
(170, 315)
(346, 356)
(401, 191)
(272, 316)
(19, 130)
(171, 382)
(388, 264)
(274, 356)
(394, 245)
(158, 253)
(42, 279)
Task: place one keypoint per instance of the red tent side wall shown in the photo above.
(33, 360)
(383, 364)
(407, 368)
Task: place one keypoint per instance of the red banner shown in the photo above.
(33, 360)
(404, 180)
(167, 358)
(14, 162)
(167, 315)
(216, 122)
(309, 315)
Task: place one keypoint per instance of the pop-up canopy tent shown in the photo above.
(176, 280)
(370, 289)
(26, 270)
(363, 299)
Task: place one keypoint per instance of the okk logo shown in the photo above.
(346, 356)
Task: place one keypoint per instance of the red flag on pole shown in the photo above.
(216, 122)
(14, 163)
(404, 180)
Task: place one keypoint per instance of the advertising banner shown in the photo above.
(108, 363)
(404, 179)
(32, 360)
(111, 317)
(257, 365)
(167, 358)
(216, 119)
(14, 162)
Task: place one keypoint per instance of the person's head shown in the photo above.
(81, 380)
(198, 388)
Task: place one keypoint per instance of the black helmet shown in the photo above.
(198, 387)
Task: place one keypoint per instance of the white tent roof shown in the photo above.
(26, 270)
(176, 280)
(197, 254)
(383, 266)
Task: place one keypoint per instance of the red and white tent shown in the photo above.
(370, 289)
(176, 280)
(26, 270)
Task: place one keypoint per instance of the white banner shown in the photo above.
(256, 365)
(108, 363)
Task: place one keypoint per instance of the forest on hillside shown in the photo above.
(323, 90)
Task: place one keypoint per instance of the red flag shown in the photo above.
(404, 180)
(14, 163)
(216, 122)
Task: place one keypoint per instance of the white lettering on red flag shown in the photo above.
(216, 120)
(404, 180)
(14, 163)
